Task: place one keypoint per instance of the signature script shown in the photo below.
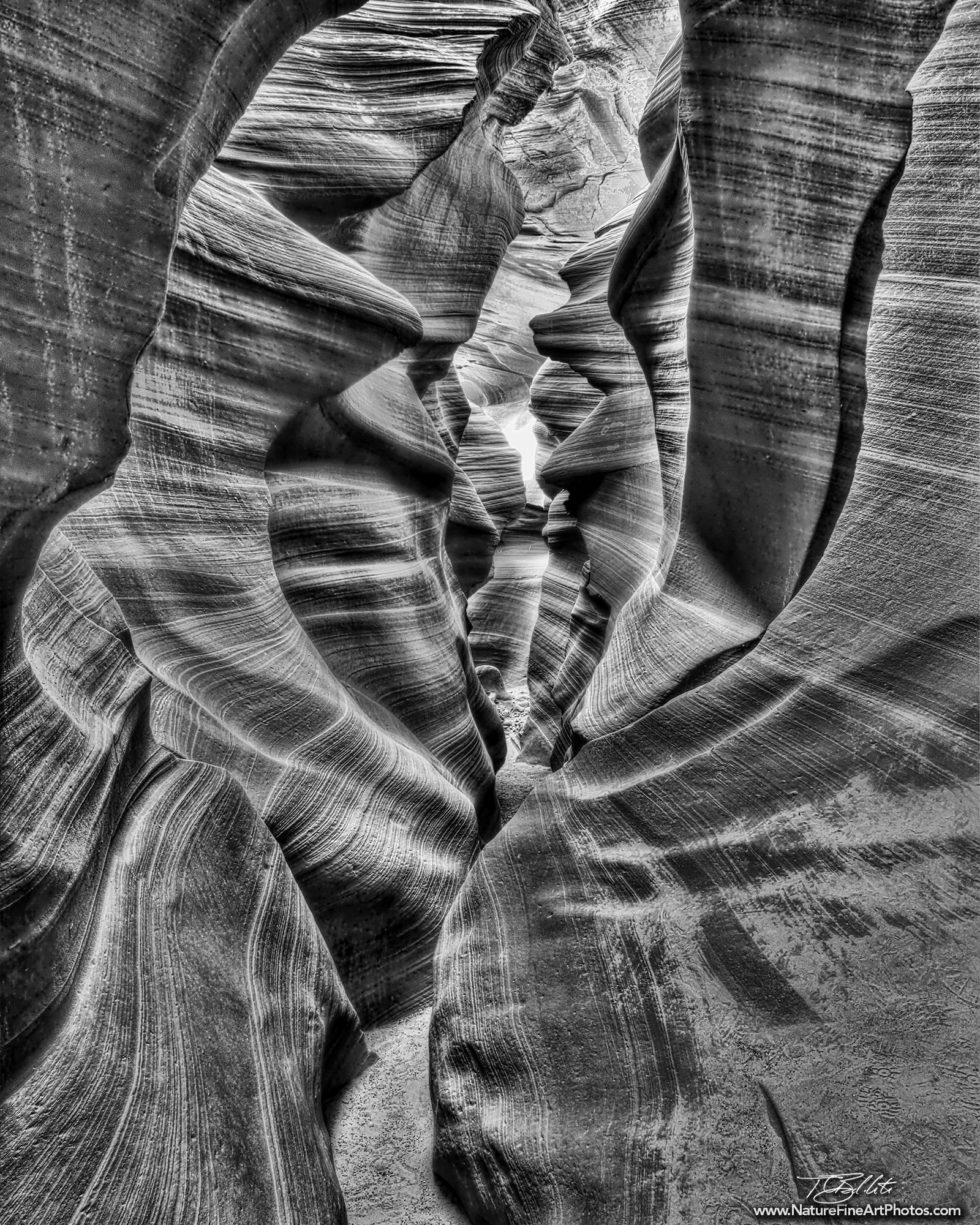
(839, 1188)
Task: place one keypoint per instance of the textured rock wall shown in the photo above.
(209, 722)
(760, 419)
(330, 577)
(171, 1016)
(777, 323)
(607, 528)
(728, 948)
(108, 116)
(183, 539)
(248, 763)
(142, 1006)
(577, 159)
(504, 612)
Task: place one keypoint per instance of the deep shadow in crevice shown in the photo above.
(862, 280)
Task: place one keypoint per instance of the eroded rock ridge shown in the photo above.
(373, 374)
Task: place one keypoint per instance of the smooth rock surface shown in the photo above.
(108, 114)
(710, 520)
(731, 947)
(182, 538)
(170, 1013)
(306, 615)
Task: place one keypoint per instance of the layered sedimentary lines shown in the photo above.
(578, 162)
(186, 546)
(170, 1012)
(779, 409)
(108, 116)
(778, 275)
(229, 757)
(622, 352)
(356, 109)
(705, 907)
(331, 578)
(620, 504)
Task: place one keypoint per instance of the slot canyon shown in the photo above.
(491, 575)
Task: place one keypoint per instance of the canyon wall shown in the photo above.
(730, 946)
(355, 354)
(247, 759)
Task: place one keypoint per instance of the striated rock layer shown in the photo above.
(503, 613)
(728, 949)
(791, 165)
(108, 114)
(577, 160)
(277, 537)
(249, 727)
(170, 1016)
(182, 539)
(576, 157)
(207, 803)
(617, 517)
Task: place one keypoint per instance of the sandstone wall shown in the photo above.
(293, 289)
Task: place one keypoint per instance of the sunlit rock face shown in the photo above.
(686, 978)
(622, 350)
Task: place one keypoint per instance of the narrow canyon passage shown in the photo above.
(488, 728)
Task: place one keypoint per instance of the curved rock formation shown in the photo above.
(503, 613)
(650, 293)
(170, 1015)
(576, 157)
(259, 692)
(211, 396)
(561, 400)
(357, 108)
(686, 978)
(489, 493)
(609, 465)
(262, 321)
(388, 447)
(787, 248)
(379, 795)
(578, 163)
(108, 116)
